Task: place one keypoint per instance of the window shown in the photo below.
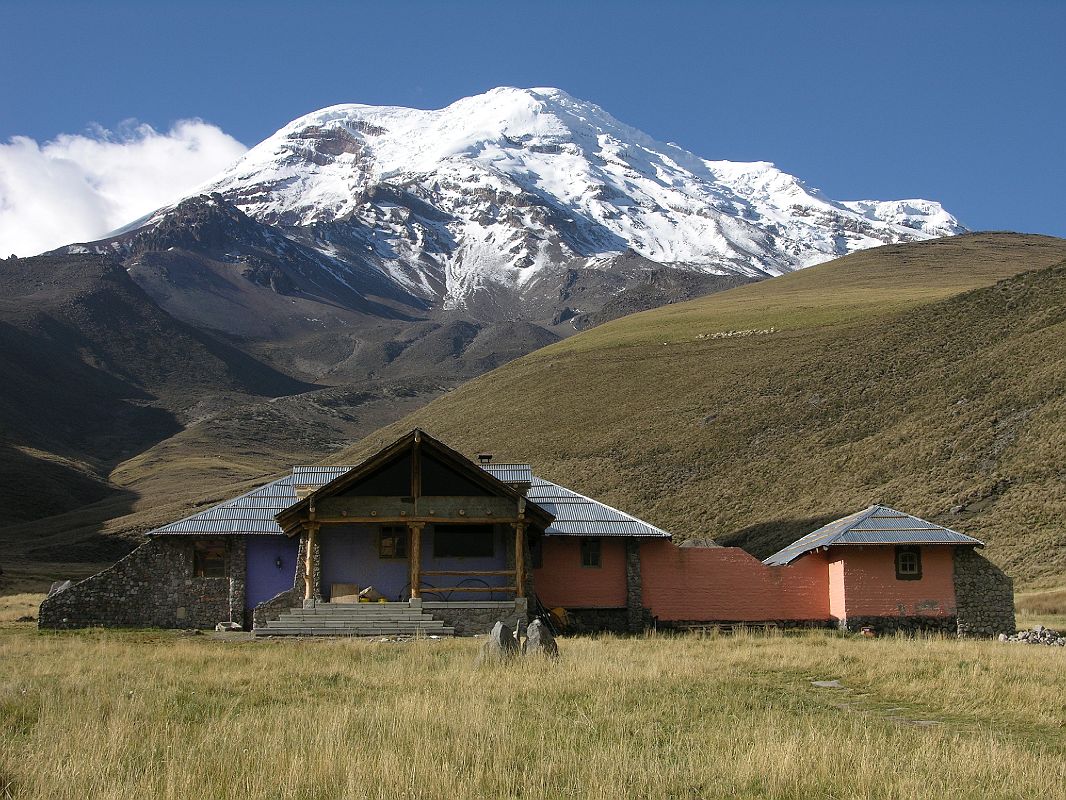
(392, 541)
(908, 563)
(590, 552)
(464, 541)
(209, 560)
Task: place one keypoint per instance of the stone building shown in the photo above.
(419, 538)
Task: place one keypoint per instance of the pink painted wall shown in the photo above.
(562, 581)
(837, 601)
(870, 586)
(726, 584)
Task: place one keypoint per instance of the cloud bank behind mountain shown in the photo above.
(79, 187)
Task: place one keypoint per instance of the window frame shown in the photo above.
(200, 551)
(591, 549)
(399, 534)
(908, 574)
(438, 529)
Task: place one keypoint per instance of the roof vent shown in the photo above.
(484, 458)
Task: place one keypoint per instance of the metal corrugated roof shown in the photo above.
(509, 473)
(316, 476)
(874, 525)
(250, 513)
(575, 514)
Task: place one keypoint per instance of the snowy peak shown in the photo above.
(513, 187)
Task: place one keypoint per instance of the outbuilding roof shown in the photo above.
(254, 512)
(875, 525)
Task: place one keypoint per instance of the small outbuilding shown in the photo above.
(890, 570)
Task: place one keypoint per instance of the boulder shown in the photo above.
(539, 641)
(500, 646)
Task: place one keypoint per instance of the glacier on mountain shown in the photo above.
(512, 188)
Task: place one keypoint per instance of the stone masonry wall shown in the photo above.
(901, 624)
(153, 587)
(984, 595)
(273, 608)
(597, 620)
(638, 618)
(469, 619)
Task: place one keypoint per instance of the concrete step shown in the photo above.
(302, 623)
(356, 619)
(349, 633)
(358, 615)
(362, 619)
(317, 629)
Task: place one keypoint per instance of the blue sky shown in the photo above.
(958, 102)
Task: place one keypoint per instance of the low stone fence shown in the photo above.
(273, 608)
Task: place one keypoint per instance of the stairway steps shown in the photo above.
(305, 630)
(362, 619)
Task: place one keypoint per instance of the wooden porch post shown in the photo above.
(520, 558)
(415, 558)
(310, 589)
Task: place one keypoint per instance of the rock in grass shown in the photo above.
(539, 641)
(500, 646)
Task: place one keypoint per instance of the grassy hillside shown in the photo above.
(121, 714)
(928, 376)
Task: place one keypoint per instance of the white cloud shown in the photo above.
(77, 188)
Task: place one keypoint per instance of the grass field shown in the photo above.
(151, 714)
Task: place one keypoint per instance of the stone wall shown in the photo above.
(273, 608)
(638, 618)
(901, 624)
(153, 587)
(984, 595)
(596, 620)
(471, 618)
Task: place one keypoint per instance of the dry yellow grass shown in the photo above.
(1052, 601)
(14, 606)
(148, 714)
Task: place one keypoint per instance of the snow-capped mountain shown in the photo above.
(495, 201)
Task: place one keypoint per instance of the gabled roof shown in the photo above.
(577, 515)
(253, 513)
(875, 525)
(416, 440)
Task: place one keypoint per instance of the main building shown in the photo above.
(419, 538)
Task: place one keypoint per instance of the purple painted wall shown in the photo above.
(265, 579)
(350, 555)
(498, 561)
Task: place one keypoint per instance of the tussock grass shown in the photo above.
(141, 714)
(25, 604)
(1046, 603)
